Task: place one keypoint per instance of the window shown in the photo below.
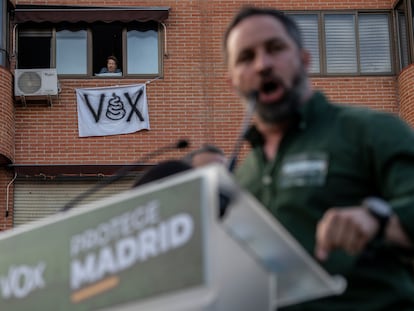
(141, 46)
(374, 43)
(403, 49)
(340, 44)
(404, 17)
(71, 52)
(66, 48)
(78, 40)
(106, 41)
(308, 24)
(27, 56)
(345, 44)
(4, 33)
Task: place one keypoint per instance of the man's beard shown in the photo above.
(285, 109)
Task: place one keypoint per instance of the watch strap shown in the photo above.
(381, 211)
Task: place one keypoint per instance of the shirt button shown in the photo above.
(266, 180)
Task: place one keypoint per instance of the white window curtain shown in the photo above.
(142, 52)
(71, 52)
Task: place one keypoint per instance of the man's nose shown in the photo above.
(263, 62)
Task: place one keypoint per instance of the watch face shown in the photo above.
(378, 207)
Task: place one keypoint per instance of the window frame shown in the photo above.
(5, 11)
(323, 72)
(161, 53)
(406, 7)
(151, 17)
(90, 52)
(54, 54)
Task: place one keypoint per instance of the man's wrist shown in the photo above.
(381, 211)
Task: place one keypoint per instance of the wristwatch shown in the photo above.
(382, 212)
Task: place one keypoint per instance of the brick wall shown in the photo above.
(406, 93)
(374, 92)
(193, 100)
(6, 117)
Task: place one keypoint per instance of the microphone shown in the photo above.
(180, 144)
(251, 105)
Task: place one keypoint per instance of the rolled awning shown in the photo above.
(74, 14)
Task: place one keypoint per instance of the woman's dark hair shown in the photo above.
(112, 58)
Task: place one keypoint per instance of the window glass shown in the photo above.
(3, 33)
(82, 49)
(142, 52)
(29, 57)
(340, 39)
(308, 25)
(374, 41)
(403, 15)
(402, 39)
(106, 41)
(71, 52)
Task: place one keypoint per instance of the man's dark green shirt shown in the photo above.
(335, 156)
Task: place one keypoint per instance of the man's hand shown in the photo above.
(349, 228)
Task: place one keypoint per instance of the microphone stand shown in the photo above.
(251, 106)
(225, 197)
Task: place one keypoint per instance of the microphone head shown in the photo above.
(182, 143)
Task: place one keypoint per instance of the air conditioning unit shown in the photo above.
(35, 82)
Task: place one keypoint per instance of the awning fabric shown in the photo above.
(74, 14)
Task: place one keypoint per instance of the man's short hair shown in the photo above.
(248, 11)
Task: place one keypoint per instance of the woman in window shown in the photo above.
(111, 65)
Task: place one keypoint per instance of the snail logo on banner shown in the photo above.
(112, 110)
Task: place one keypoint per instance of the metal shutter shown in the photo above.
(35, 199)
(375, 43)
(340, 41)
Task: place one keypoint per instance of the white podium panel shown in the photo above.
(299, 276)
(160, 247)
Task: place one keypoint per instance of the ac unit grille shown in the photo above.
(35, 82)
(29, 82)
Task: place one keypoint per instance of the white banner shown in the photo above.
(112, 110)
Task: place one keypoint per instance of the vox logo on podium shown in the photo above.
(22, 280)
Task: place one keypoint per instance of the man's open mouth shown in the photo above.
(271, 91)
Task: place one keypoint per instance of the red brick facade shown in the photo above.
(7, 126)
(406, 94)
(192, 100)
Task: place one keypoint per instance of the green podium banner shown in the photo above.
(130, 247)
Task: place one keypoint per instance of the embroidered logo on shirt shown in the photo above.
(304, 169)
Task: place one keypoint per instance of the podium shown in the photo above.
(161, 246)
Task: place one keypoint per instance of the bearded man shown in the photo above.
(339, 178)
